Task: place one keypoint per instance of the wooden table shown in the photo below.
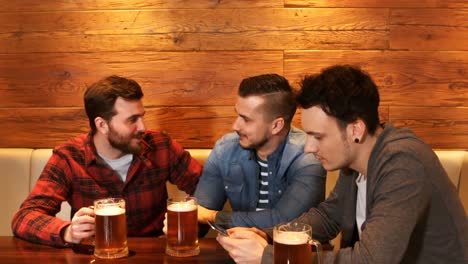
(142, 250)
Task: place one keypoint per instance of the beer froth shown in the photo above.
(181, 207)
(291, 238)
(109, 211)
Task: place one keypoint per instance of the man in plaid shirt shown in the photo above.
(118, 158)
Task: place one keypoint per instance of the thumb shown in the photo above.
(165, 225)
(242, 234)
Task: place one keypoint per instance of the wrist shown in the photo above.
(213, 216)
(68, 236)
(65, 234)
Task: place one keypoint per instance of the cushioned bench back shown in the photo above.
(14, 186)
(18, 164)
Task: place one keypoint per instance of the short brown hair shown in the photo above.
(100, 97)
(278, 94)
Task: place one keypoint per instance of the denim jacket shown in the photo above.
(296, 182)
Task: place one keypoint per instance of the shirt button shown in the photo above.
(226, 187)
(271, 173)
(279, 191)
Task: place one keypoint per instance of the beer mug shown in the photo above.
(182, 227)
(291, 244)
(110, 239)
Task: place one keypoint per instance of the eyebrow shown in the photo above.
(313, 133)
(239, 114)
(136, 115)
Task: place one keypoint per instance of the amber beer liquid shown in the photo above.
(292, 244)
(182, 228)
(110, 229)
(292, 248)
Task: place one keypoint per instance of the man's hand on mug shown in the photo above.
(243, 245)
(165, 224)
(205, 215)
(81, 226)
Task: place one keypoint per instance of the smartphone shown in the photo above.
(218, 228)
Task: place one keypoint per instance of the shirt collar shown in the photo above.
(90, 151)
(276, 155)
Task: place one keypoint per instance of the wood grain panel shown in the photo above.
(195, 20)
(373, 3)
(187, 78)
(429, 29)
(428, 38)
(67, 5)
(258, 40)
(440, 127)
(430, 17)
(404, 78)
(194, 127)
(190, 55)
(40, 127)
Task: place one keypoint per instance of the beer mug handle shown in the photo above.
(319, 250)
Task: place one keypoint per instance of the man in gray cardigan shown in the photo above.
(393, 202)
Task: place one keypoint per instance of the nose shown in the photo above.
(310, 147)
(235, 125)
(141, 125)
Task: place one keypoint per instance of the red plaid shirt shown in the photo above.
(76, 174)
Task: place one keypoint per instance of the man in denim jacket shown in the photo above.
(261, 169)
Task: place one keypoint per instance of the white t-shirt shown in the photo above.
(361, 183)
(120, 165)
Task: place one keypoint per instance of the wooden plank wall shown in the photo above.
(190, 55)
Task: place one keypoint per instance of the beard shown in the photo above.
(123, 143)
(253, 145)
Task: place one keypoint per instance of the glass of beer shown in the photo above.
(292, 244)
(182, 227)
(110, 239)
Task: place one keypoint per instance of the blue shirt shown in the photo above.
(296, 182)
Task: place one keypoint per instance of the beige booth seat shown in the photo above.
(21, 167)
(14, 186)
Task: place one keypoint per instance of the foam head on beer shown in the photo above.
(182, 207)
(291, 238)
(109, 211)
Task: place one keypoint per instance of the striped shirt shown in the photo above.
(263, 185)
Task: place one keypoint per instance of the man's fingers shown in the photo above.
(82, 225)
(82, 231)
(243, 234)
(165, 224)
(244, 248)
(226, 242)
(89, 211)
(82, 228)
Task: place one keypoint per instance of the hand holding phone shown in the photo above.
(218, 228)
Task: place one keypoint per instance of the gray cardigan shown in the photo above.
(413, 213)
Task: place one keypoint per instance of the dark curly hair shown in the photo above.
(100, 97)
(345, 92)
